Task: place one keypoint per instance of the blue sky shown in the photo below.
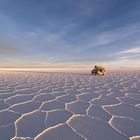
(69, 33)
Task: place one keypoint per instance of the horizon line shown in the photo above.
(63, 69)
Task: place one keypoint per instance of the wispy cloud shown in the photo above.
(130, 51)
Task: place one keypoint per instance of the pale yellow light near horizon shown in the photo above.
(46, 69)
(87, 70)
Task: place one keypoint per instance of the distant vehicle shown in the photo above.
(98, 70)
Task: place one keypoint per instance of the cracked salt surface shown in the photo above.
(77, 106)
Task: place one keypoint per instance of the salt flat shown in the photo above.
(69, 106)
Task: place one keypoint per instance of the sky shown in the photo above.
(69, 33)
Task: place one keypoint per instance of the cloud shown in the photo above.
(109, 39)
(130, 51)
